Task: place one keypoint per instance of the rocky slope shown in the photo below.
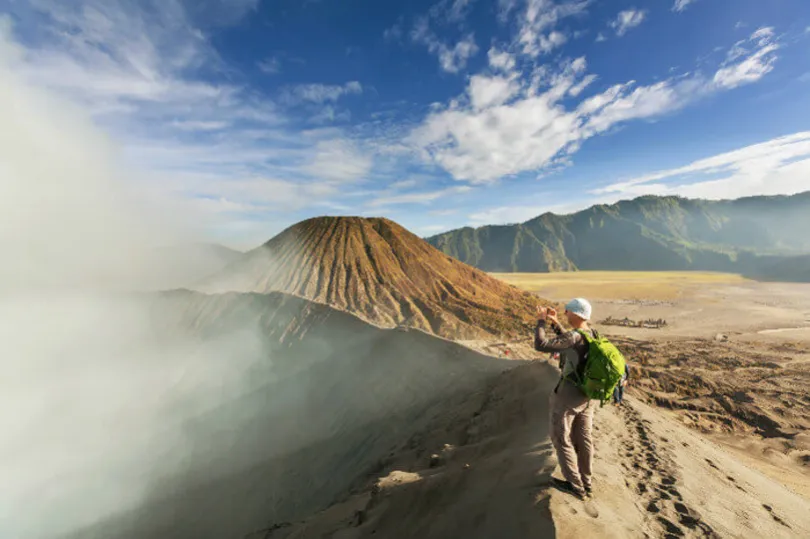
(481, 469)
(328, 397)
(383, 273)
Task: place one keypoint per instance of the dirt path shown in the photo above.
(653, 474)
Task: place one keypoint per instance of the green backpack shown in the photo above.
(603, 368)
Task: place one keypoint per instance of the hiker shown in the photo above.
(618, 394)
(570, 410)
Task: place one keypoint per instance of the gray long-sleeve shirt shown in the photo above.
(570, 344)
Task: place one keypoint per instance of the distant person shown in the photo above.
(618, 394)
(570, 410)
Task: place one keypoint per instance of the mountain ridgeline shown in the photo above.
(378, 270)
(757, 236)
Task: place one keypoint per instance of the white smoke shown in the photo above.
(91, 399)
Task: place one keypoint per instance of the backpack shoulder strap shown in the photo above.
(588, 338)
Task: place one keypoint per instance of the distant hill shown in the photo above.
(380, 271)
(746, 235)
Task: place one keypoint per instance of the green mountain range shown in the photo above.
(764, 237)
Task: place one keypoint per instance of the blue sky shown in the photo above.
(260, 113)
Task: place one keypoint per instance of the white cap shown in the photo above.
(580, 307)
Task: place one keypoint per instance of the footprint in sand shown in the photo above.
(775, 517)
(670, 527)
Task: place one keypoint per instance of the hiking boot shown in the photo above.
(567, 487)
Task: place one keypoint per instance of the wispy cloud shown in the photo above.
(271, 66)
(501, 60)
(627, 19)
(145, 71)
(501, 215)
(681, 5)
(781, 165)
(432, 229)
(425, 197)
(200, 125)
(442, 212)
(452, 58)
(451, 11)
(756, 65)
(536, 34)
(508, 124)
(339, 160)
(321, 93)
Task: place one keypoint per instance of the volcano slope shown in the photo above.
(383, 273)
(490, 478)
(329, 398)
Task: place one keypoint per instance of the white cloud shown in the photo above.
(116, 52)
(536, 35)
(546, 44)
(453, 11)
(627, 19)
(432, 229)
(271, 66)
(200, 125)
(329, 114)
(765, 33)
(487, 91)
(505, 8)
(451, 58)
(403, 184)
(339, 160)
(257, 194)
(394, 33)
(600, 37)
(754, 67)
(444, 212)
(133, 67)
(681, 5)
(581, 85)
(455, 59)
(509, 126)
(418, 198)
(778, 166)
(144, 70)
(321, 93)
(500, 60)
(502, 215)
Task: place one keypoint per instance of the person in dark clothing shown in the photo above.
(570, 410)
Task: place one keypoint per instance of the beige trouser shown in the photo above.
(571, 422)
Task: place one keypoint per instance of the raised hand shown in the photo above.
(542, 312)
